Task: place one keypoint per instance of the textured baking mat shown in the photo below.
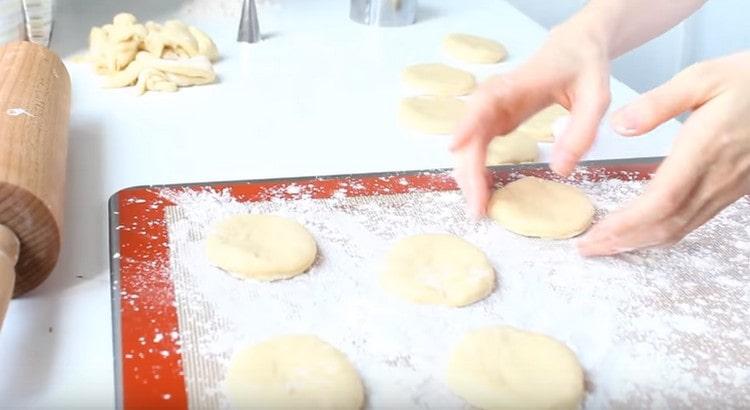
(657, 328)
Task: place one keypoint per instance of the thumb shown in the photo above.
(687, 90)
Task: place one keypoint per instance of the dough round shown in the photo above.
(432, 114)
(539, 126)
(263, 247)
(438, 270)
(513, 148)
(473, 49)
(438, 79)
(293, 371)
(541, 208)
(506, 368)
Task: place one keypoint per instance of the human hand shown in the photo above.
(572, 69)
(708, 168)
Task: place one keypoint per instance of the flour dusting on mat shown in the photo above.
(658, 328)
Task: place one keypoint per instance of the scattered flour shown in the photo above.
(653, 329)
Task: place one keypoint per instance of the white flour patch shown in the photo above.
(657, 328)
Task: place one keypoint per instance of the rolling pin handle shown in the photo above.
(9, 250)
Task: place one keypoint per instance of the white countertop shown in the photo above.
(317, 97)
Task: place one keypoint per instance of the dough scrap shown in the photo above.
(539, 126)
(159, 74)
(262, 247)
(432, 114)
(474, 49)
(541, 208)
(506, 368)
(180, 39)
(438, 79)
(152, 56)
(438, 269)
(293, 371)
(513, 148)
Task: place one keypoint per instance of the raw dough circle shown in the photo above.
(438, 270)
(438, 79)
(506, 368)
(513, 148)
(541, 208)
(293, 371)
(539, 126)
(432, 114)
(473, 49)
(263, 247)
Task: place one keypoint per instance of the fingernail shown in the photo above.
(625, 122)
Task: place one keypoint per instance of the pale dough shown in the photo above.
(438, 79)
(506, 368)
(155, 57)
(541, 208)
(539, 126)
(159, 74)
(432, 114)
(513, 148)
(439, 270)
(293, 371)
(473, 49)
(263, 247)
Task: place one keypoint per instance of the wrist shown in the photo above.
(587, 40)
(593, 28)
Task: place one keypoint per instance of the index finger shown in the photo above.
(473, 178)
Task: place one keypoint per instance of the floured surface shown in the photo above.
(651, 329)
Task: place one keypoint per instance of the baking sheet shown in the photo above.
(652, 329)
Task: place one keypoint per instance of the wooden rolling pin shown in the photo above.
(34, 114)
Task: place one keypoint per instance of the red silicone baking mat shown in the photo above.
(149, 370)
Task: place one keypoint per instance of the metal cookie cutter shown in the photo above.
(387, 13)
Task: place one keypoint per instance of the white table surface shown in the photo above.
(317, 97)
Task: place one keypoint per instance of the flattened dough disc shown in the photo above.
(506, 368)
(293, 372)
(541, 208)
(539, 126)
(262, 247)
(438, 269)
(514, 148)
(432, 114)
(473, 49)
(438, 79)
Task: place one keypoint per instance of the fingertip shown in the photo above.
(586, 245)
(476, 213)
(562, 162)
(479, 202)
